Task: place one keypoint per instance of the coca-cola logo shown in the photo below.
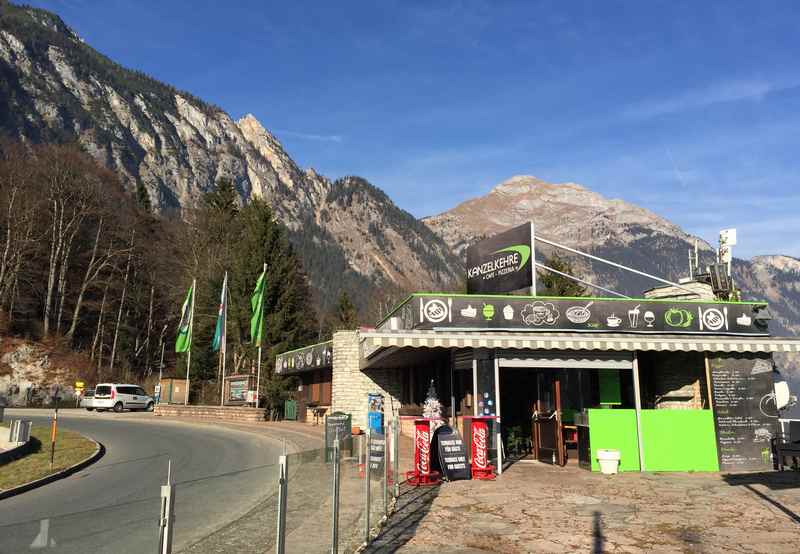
(479, 442)
(424, 448)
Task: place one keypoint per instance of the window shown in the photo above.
(140, 391)
(103, 390)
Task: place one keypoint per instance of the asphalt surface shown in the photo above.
(113, 505)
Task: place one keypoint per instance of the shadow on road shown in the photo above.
(598, 539)
(772, 480)
(412, 506)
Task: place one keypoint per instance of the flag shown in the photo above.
(257, 303)
(219, 331)
(184, 340)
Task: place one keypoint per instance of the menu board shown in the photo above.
(337, 424)
(452, 454)
(745, 417)
(377, 451)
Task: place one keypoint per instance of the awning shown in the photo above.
(373, 342)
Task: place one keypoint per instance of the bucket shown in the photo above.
(608, 460)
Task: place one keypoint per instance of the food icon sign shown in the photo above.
(649, 318)
(579, 314)
(540, 313)
(744, 320)
(469, 311)
(434, 311)
(488, 312)
(613, 320)
(633, 317)
(713, 318)
(508, 313)
(678, 317)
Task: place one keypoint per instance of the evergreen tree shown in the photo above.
(553, 284)
(345, 315)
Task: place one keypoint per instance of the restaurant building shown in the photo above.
(673, 385)
(675, 381)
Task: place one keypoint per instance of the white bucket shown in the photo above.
(608, 460)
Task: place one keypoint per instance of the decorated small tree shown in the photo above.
(432, 409)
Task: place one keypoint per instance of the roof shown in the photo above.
(372, 342)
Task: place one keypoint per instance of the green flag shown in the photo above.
(184, 340)
(257, 303)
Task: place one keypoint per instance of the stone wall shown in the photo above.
(351, 385)
(674, 380)
(227, 413)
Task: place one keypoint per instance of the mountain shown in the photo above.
(170, 147)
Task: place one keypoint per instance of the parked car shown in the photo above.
(87, 399)
(120, 396)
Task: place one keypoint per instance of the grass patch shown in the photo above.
(71, 448)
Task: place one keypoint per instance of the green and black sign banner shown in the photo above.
(581, 314)
(501, 263)
(316, 356)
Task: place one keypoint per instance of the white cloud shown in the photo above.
(310, 136)
(717, 93)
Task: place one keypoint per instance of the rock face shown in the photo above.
(170, 147)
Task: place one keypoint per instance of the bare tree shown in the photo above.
(121, 305)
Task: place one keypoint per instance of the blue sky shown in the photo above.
(690, 109)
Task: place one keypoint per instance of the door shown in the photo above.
(548, 442)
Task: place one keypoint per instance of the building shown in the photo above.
(673, 384)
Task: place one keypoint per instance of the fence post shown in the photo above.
(396, 454)
(367, 472)
(385, 472)
(336, 478)
(167, 520)
(283, 483)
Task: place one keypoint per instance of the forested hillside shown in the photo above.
(86, 266)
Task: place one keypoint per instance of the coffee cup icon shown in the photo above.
(613, 320)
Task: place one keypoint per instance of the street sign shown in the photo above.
(80, 385)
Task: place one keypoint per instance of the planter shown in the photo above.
(608, 460)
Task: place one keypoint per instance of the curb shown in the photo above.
(99, 452)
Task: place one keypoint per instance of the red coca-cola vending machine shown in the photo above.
(479, 429)
(422, 475)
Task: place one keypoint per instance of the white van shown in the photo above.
(119, 396)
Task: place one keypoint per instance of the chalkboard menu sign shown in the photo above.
(744, 410)
(377, 451)
(452, 454)
(338, 424)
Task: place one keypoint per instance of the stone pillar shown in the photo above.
(351, 385)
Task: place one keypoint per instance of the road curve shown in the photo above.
(113, 505)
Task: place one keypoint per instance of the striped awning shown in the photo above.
(374, 341)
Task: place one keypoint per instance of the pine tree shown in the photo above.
(346, 315)
(553, 284)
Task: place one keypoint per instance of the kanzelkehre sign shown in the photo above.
(501, 263)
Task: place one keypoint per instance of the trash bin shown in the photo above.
(290, 410)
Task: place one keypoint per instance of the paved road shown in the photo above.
(113, 505)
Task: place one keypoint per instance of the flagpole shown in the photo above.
(261, 341)
(224, 347)
(189, 351)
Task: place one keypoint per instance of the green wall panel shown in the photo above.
(614, 429)
(679, 440)
(610, 390)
